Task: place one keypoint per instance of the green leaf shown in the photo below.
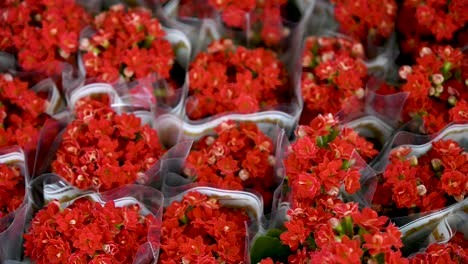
(269, 246)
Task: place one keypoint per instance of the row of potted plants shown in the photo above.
(329, 186)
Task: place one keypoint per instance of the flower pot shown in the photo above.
(24, 110)
(127, 213)
(162, 68)
(207, 206)
(234, 155)
(419, 178)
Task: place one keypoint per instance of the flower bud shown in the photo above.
(360, 93)
(7, 77)
(243, 175)
(459, 198)
(421, 189)
(140, 177)
(357, 49)
(425, 51)
(452, 100)
(271, 160)
(210, 140)
(413, 160)
(307, 60)
(437, 78)
(404, 71)
(436, 164)
(333, 191)
(127, 72)
(301, 132)
(334, 222)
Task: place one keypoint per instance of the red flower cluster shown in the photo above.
(262, 14)
(423, 22)
(237, 156)
(321, 159)
(22, 112)
(320, 226)
(370, 21)
(87, 232)
(103, 150)
(330, 231)
(193, 9)
(432, 181)
(128, 44)
(42, 33)
(227, 78)
(12, 189)
(358, 237)
(200, 230)
(333, 75)
(437, 87)
(455, 251)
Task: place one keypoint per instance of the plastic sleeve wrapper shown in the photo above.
(7, 61)
(157, 88)
(388, 108)
(201, 32)
(172, 169)
(47, 86)
(250, 200)
(263, 236)
(136, 104)
(48, 187)
(285, 115)
(420, 144)
(433, 227)
(10, 224)
(321, 18)
(204, 25)
(368, 182)
(378, 118)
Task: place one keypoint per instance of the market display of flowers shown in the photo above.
(269, 154)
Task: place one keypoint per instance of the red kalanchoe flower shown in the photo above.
(199, 229)
(370, 21)
(12, 188)
(320, 161)
(423, 22)
(103, 150)
(333, 76)
(239, 155)
(442, 253)
(42, 34)
(128, 44)
(436, 84)
(228, 78)
(87, 232)
(22, 112)
(335, 232)
(418, 184)
(264, 17)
